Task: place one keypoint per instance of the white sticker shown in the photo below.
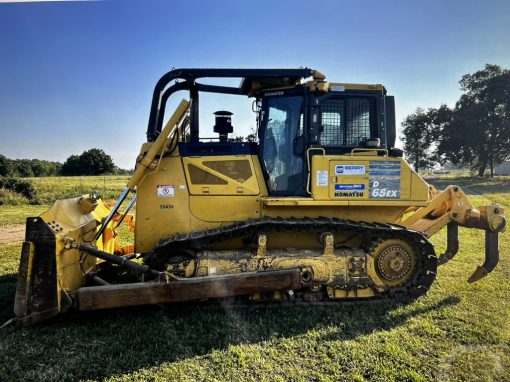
(166, 191)
(182, 186)
(350, 169)
(322, 178)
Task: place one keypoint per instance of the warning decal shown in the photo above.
(166, 191)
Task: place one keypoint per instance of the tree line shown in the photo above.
(90, 162)
(474, 133)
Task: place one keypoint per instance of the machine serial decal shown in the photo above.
(349, 190)
(384, 180)
(166, 191)
(350, 169)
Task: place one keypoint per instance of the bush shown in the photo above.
(22, 187)
(11, 198)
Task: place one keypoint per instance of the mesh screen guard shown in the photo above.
(347, 121)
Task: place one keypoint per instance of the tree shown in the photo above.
(23, 168)
(251, 137)
(479, 132)
(72, 166)
(5, 166)
(418, 137)
(90, 162)
(96, 162)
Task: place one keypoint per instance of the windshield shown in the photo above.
(283, 126)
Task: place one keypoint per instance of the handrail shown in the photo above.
(367, 149)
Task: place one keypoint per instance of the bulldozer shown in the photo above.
(320, 207)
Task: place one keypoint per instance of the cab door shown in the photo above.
(281, 137)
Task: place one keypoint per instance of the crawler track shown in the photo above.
(372, 233)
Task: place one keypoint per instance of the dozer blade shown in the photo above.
(192, 289)
(49, 268)
(37, 296)
(60, 256)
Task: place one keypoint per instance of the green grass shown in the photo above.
(51, 188)
(457, 332)
(12, 215)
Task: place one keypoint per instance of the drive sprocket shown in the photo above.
(395, 261)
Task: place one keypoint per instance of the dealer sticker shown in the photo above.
(350, 169)
(166, 191)
(349, 187)
(349, 190)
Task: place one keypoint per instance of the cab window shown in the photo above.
(282, 126)
(347, 121)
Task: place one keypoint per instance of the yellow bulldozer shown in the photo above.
(320, 207)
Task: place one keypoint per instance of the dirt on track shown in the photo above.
(12, 233)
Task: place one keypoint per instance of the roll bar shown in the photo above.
(160, 95)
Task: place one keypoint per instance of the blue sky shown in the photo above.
(77, 75)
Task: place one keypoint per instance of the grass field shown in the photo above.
(51, 188)
(457, 332)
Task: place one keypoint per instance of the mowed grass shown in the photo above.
(457, 332)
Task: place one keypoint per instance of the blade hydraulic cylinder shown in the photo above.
(155, 149)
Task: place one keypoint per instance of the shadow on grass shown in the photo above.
(7, 290)
(96, 345)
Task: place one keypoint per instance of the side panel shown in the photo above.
(224, 188)
(218, 190)
(365, 178)
(162, 206)
(216, 208)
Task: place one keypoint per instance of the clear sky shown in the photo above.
(77, 75)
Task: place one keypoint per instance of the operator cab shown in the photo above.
(298, 123)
